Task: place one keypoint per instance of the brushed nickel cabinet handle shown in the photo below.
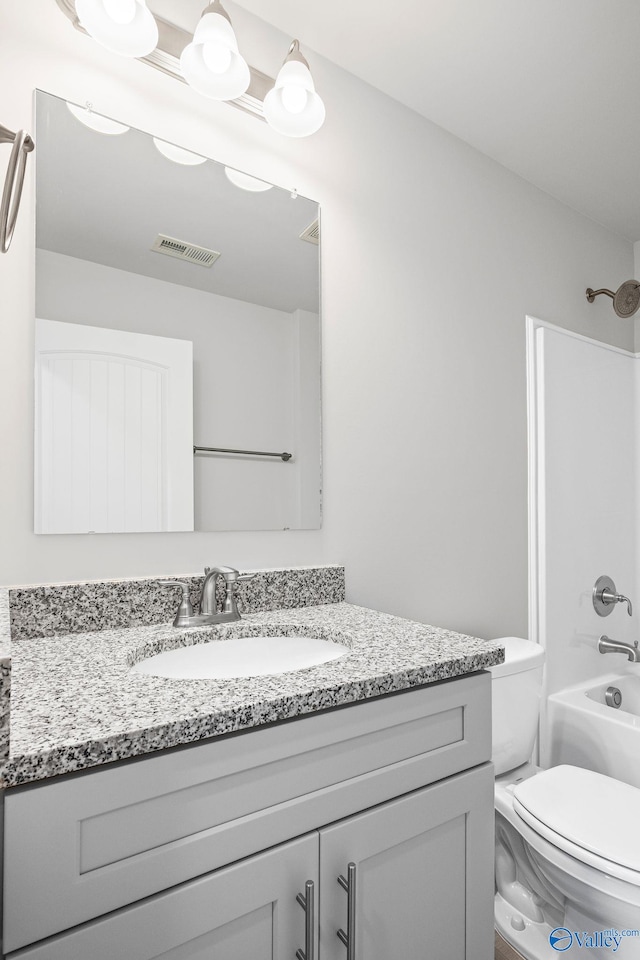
(349, 938)
(307, 902)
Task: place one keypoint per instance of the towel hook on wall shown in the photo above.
(10, 204)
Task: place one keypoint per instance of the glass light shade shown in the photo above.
(292, 106)
(126, 27)
(246, 182)
(211, 63)
(178, 154)
(96, 121)
(120, 11)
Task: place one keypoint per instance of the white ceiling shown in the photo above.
(548, 88)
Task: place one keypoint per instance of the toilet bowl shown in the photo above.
(567, 844)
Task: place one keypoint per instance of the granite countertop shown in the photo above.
(5, 625)
(75, 703)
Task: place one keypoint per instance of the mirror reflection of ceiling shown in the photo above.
(108, 197)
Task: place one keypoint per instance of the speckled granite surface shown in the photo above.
(5, 674)
(5, 627)
(51, 610)
(75, 703)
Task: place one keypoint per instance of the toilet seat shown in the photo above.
(585, 814)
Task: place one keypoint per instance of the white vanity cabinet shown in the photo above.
(247, 911)
(202, 851)
(423, 875)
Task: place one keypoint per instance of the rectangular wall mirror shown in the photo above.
(177, 309)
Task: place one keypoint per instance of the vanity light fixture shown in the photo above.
(246, 182)
(293, 107)
(209, 60)
(178, 154)
(96, 121)
(126, 27)
(211, 63)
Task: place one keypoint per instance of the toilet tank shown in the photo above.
(515, 688)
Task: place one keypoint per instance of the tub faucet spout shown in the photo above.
(606, 645)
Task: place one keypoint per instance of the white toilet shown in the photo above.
(567, 839)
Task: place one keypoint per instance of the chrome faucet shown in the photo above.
(186, 617)
(606, 645)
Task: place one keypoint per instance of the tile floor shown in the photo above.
(504, 951)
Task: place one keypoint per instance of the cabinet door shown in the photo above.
(423, 875)
(247, 911)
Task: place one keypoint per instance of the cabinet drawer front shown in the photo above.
(87, 844)
(247, 911)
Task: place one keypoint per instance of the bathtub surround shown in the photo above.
(53, 609)
(583, 437)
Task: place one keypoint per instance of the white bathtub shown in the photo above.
(586, 732)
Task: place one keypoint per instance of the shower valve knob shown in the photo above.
(605, 596)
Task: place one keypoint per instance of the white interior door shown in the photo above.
(113, 431)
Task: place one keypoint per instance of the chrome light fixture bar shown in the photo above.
(172, 40)
(174, 44)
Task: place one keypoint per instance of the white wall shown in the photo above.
(432, 255)
(247, 389)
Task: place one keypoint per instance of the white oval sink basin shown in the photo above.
(241, 657)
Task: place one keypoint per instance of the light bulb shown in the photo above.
(211, 63)
(120, 11)
(126, 27)
(292, 106)
(294, 98)
(216, 56)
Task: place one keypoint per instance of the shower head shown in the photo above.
(626, 299)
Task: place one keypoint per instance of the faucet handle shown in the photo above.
(185, 610)
(226, 572)
(231, 575)
(605, 596)
(232, 578)
(621, 599)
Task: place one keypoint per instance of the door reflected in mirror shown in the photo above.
(177, 306)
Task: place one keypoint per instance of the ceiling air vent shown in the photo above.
(184, 251)
(312, 233)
